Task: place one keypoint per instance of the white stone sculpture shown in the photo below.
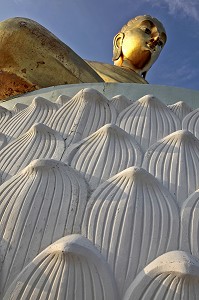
(82, 115)
(18, 107)
(5, 115)
(62, 99)
(45, 201)
(98, 203)
(181, 109)
(120, 102)
(148, 120)
(40, 111)
(71, 268)
(174, 275)
(38, 142)
(190, 224)
(103, 154)
(132, 219)
(3, 140)
(191, 122)
(174, 160)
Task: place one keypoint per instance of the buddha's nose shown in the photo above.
(154, 40)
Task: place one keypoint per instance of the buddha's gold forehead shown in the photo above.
(146, 19)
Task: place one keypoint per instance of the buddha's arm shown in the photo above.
(31, 57)
(111, 73)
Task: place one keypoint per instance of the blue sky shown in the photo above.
(88, 27)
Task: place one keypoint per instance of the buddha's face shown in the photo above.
(141, 43)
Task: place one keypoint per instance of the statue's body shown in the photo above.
(31, 57)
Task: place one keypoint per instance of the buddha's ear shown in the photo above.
(117, 45)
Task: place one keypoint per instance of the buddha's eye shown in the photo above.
(160, 43)
(147, 31)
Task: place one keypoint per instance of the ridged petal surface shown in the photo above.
(39, 205)
(174, 275)
(71, 269)
(174, 160)
(181, 109)
(86, 112)
(103, 154)
(132, 219)
(40, 111)
(18, 107)
(191, 122)
(3, 140)
(148, 120)
(5, 115)
(120, 102)
(39, 142)
(190, 224)
(62, 99)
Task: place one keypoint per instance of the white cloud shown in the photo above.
(187, 7)
(183, 73)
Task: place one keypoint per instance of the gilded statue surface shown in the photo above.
(31, 57)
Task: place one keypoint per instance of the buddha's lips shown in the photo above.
(151, 45)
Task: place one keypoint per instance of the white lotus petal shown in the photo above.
(132, 219)
(39, 205)
(39, 142)
(40, 111)
(18, 107)
(3, 140)
(191, 122)
(181, 109)
(103, 154)
(86, 112)
(120, 102)
(5, 115)
(69, 269)
(173, 275)
(62, 99)
(148, 120)
(174, 160)
(190, 224)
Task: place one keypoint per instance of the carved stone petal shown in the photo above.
(148, 120)
(5, 115)
(120, 102)
(3, 140)
(42, 203)
(71, 269)
(191, 122)
(86, 112)
(40, 111)
(181, 109)
(174, 160)
(190, 224)
(39, 142)
(18, 107)
(103, 154)
(173, 275)
(132, 219)
(62, 99)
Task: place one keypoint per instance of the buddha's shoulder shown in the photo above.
(111, 73)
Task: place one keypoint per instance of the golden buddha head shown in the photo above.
(139, 43)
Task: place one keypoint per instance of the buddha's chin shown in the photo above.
(143, 59)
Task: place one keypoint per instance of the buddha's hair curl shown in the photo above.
(131, 22)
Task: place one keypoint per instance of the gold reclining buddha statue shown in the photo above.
(31, 57)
